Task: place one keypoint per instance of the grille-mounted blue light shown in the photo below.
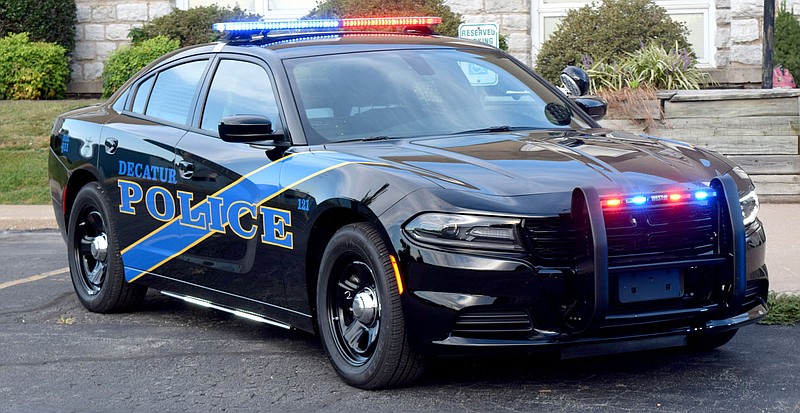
(701, 195)
(637, 200)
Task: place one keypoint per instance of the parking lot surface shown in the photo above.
(170, 356)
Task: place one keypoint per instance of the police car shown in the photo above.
(403, 195)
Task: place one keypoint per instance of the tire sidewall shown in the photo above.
(93, 195)
(351, 239)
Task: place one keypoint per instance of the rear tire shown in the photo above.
(359, 313)
(94, 260)
(708, 342)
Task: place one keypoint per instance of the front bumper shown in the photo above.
(595, 345)
(457, 302)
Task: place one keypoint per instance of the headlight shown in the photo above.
(741, 173)
(749, 205)
(749, 202)
(466, 231)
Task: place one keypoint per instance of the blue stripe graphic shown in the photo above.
(259, 186)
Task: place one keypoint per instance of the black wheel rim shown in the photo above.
(354, 309)
(91, 249)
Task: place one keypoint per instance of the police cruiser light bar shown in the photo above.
(367, 22)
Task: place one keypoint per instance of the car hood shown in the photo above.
(546, 161)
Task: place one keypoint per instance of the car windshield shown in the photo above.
(409, 93)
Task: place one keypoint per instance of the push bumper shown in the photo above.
(458, 302)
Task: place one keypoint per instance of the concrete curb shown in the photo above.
(27, 217)
(781, 221)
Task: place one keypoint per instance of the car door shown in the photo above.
(221, 186)
(137, 159)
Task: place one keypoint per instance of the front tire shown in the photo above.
(359, 314)
(94, 260)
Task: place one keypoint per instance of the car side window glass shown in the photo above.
(119, 105)
(142, 92)
(240, 88)
(171, 98)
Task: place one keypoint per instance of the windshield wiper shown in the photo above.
(367, 139)
(490, 129)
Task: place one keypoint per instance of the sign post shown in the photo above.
(483, 32)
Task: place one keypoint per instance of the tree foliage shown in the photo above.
(606, 32)
(192, 26)
(381, 8)
(51, 21)
(787, 41)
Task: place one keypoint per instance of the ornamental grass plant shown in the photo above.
(630, 84)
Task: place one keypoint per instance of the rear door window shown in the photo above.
(174, 90)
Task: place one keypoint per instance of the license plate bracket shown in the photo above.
(650, 285)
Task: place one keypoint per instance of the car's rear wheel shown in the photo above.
(708, 342)
(359, 313)
(94, 260)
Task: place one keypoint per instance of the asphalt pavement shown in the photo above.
(782, 223)
(173, 356)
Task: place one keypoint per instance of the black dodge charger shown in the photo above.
(403, 195)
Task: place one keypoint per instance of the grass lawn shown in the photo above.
(24, 137)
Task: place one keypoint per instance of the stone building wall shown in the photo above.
(738, 36)
(512, 16)
(101, 27)
(739, 40)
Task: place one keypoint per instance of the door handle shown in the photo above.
(111, 145)
(186, 169)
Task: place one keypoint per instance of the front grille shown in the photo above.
(556, 241)
(685, 246)
(493, 324)
(661, 233)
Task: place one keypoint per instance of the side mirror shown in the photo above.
(248, 128)
(575, 80)
(596, 108)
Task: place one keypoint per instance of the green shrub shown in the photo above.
(653, 66)
(32, 70)
(784, 309)
(787, 41)
(127, 60)
(382, 8)
(51, 21)
(192, 26)
(606, 32)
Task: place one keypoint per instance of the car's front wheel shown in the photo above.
(94, 260)
(359, 313)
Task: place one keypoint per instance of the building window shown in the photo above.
(698, 16)
(270, 9)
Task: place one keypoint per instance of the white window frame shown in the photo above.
(540, 10)
(262, 8)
